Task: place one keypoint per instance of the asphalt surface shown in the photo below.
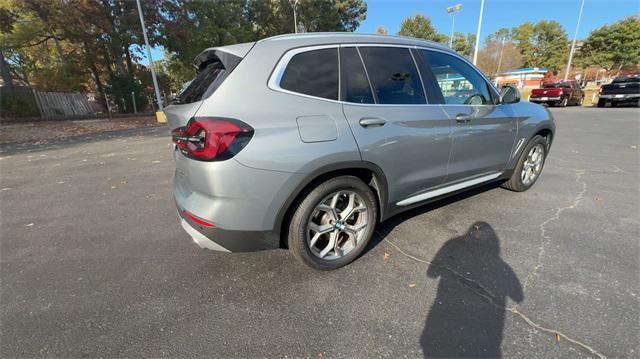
(94, 263)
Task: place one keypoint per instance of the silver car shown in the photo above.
(306, 142)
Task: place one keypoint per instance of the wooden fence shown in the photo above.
(20, 103)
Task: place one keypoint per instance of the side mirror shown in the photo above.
(509, 94)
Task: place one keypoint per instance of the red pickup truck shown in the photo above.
(558, 94)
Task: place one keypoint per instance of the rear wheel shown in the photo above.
(333, 224)
(529, 165)
(601, 102)
(563, 102)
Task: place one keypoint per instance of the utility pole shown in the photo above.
(451, 10)
(504, 38)
(573, 45)
(153, 72)
(475, 51)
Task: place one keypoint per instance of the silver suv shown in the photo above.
(308, 141)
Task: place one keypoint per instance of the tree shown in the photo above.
(497, 57)
(381, 30)
(420, 26)
(613, 47)
(551, 45)
(544, 44)
(464, 44)
(523, 39)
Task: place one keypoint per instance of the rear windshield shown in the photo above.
(556, 85)
(204, 84)
(626, 79)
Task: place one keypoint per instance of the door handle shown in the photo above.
(463, 118)
(372, 121)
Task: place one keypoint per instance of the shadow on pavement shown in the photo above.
(467, 316)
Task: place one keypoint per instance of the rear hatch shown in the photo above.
(213, 66)
(546, 92)
(629, 85)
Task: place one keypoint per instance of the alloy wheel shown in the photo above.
(337, 225)
(532, 165)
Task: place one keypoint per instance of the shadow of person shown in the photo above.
(467, 316)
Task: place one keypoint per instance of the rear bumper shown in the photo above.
(240, 202)
(544, 99)
(620, 97)
(222, 240)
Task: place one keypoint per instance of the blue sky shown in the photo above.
(497, 14)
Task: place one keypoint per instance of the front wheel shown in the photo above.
(601, 102)
(529, 165)
(333, 223)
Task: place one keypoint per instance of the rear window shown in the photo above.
(556, 85)
(207, 80)
(313, 73)
(626, 79)
(356, 83)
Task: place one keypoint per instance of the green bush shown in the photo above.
(120, 88)
(17, 102)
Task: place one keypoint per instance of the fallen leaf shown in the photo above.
(557, 337)
(412, 285)
(386, 256)
(29, 225)
(155, 161)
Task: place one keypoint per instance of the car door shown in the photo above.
(484, 131)
(385, 104)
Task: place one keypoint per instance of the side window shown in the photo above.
(460, 83)
(393, 75)
(313, 73)
(355, 82)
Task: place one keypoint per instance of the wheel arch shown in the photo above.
(368, 172)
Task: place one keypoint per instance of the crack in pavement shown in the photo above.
(478, 289)
(543, 227)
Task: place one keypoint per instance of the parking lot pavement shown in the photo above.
(94, 263)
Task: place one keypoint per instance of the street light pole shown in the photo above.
(153, 72)
(452, 11)
(295, 17)
(573, 45)
(475, 51)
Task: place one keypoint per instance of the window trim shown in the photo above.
(276, 75)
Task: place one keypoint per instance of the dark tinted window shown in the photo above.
(458, 81)
(626, 79)
(557, 85)
(356, 85)
(393, 75)
(313, 73)
(197, 88)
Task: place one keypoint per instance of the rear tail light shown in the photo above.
(600, 90)
(212, 139)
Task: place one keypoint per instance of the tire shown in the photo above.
(515, 182)
(601, 102)
(564, 102)
(314, 211)
(614, 104)
(638, 103)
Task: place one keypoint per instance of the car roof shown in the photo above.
(319, 38)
